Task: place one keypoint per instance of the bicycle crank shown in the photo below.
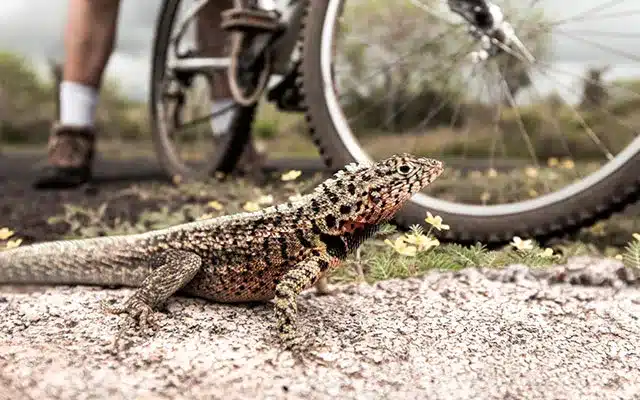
(252, 32)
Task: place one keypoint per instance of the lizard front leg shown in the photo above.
(293, 282)
(172, 269)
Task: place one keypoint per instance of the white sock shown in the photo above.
(77, 104)
(221, 123)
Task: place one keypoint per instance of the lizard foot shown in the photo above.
(139, 314)
(291, 340)
(297, 346)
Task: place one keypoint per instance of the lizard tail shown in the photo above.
(117, 260)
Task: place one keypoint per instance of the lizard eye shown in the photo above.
(404, 169)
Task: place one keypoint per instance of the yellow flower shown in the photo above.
(398, 243)
(533, 193)
(5, 233)
(531, 172)
(251, 206)
(216, 205)
(266, 199)
(520, 244)
(568, 164)
(205, 216)
(436, 222)
(407, 251)
(552, 162)
(423, 242)
(295, 197)
(547, 253)
(291, 175)
(13, 243)
(636, 236)
(618, 257)
(401, 247)
(492, 173)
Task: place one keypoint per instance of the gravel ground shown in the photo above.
(568, 332)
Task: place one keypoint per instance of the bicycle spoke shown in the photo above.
(608, 34)
(602, 47)
(430, 12)
(389, 95)
(557, 129)
(401, 57)
(582, 15)
(512, 112)
(514, 107)
(604, 110)
(594, 137)
(438, 108)
(569, 73)
(435, 110)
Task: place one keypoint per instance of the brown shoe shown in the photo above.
(71, 152)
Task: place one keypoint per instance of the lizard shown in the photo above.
(274, 253)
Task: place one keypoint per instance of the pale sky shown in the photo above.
(34, 28)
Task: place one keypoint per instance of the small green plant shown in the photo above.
(418, 252)
(631, 257)
(266, 128)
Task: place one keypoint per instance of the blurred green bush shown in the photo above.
(28, 105)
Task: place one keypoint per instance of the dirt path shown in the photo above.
(510, 334)
(26, 210)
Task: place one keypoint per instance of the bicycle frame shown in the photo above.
(283, 48)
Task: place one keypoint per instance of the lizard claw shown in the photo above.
(139, 314)
(293, 342)
(297, 346)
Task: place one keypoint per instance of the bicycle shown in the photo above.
(296, 62)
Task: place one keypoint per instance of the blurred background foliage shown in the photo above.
(28, 104)
(422, 98)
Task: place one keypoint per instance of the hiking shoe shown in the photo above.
(71, 152)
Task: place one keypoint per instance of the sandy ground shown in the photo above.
(565, 333)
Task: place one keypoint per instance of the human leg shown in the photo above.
(89, 39)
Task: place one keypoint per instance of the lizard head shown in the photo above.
(371, 193)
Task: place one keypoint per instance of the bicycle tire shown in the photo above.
(229, 151)
(603, 195)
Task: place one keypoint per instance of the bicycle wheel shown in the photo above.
(532, 148)
(180, 106)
